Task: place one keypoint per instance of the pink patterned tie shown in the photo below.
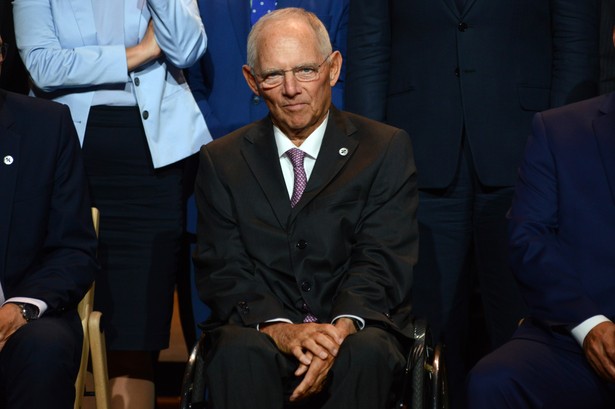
(309, 317)
(296, 157)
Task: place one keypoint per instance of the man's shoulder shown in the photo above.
(233, 140)
(587, 108)
(29, 112)
(367, 130)
(364, 122)
(20, 102)
(37, 121)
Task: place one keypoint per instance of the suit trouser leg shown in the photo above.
(245, 369)
(364, 370)
(529, 374)
(463, 238)
(501, 298)
(39, 364)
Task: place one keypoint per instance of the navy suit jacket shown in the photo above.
(432, 70)
(217, 81)
(347, 247)
(563, 214)
(47, 239)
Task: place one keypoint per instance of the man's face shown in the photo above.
(297, 107)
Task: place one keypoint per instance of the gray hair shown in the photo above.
(289, 13)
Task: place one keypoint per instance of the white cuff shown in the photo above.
(580, 331)
(42, 305)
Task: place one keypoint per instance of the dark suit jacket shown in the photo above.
(216, 80)
(427, 68)
(563, 214)
(347, 247)
(607, 51)
(47, 241)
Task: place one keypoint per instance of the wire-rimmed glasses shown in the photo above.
(303, 73)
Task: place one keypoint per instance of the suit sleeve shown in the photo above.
(369, 47)
(575, 68)
(65, 262)
(50, 65)
(548, 280)
(179, 30)
(385, 246)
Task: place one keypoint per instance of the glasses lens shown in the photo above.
(306, 74)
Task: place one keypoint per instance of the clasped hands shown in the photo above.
(314, 345)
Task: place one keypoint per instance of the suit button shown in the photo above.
(457, 72)
(301, 244)
(243, 307)
(306, 286)
(462, 27)
(137, 82)
(256, 99)
(145, 114)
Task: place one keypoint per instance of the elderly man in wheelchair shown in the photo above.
(306, 241)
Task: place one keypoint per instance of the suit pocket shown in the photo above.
(533, 98)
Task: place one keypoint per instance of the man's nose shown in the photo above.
(291, 84)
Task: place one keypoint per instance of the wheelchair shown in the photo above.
(423, 384)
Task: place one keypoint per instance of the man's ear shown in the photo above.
(335, 67)
(247, 74)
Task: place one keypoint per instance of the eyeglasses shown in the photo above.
(303, 73)
(4, 47)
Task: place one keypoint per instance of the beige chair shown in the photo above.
(94, 346)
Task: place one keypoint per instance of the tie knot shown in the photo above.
(296, 157)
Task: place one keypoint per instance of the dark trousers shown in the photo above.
(39, 364)
(246, 369)
(463, 242)
(538, 369)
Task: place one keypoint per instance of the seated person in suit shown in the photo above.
(307, 267)
(562, 225)
(47, 252)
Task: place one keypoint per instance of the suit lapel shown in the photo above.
(84, 15)
(337, 148)
(9, 160)
(261, 155)
(604, 130)
(239, 12)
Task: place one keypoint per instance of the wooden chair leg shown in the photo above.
(99, 362)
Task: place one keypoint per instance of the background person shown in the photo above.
(117, 65)
(47, 252)
(463, 78)
(561, 224)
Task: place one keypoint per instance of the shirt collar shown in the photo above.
(311, 145)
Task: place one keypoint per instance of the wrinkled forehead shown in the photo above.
(287, 45)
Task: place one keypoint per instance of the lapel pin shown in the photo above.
(343, 151)
(8, 160)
